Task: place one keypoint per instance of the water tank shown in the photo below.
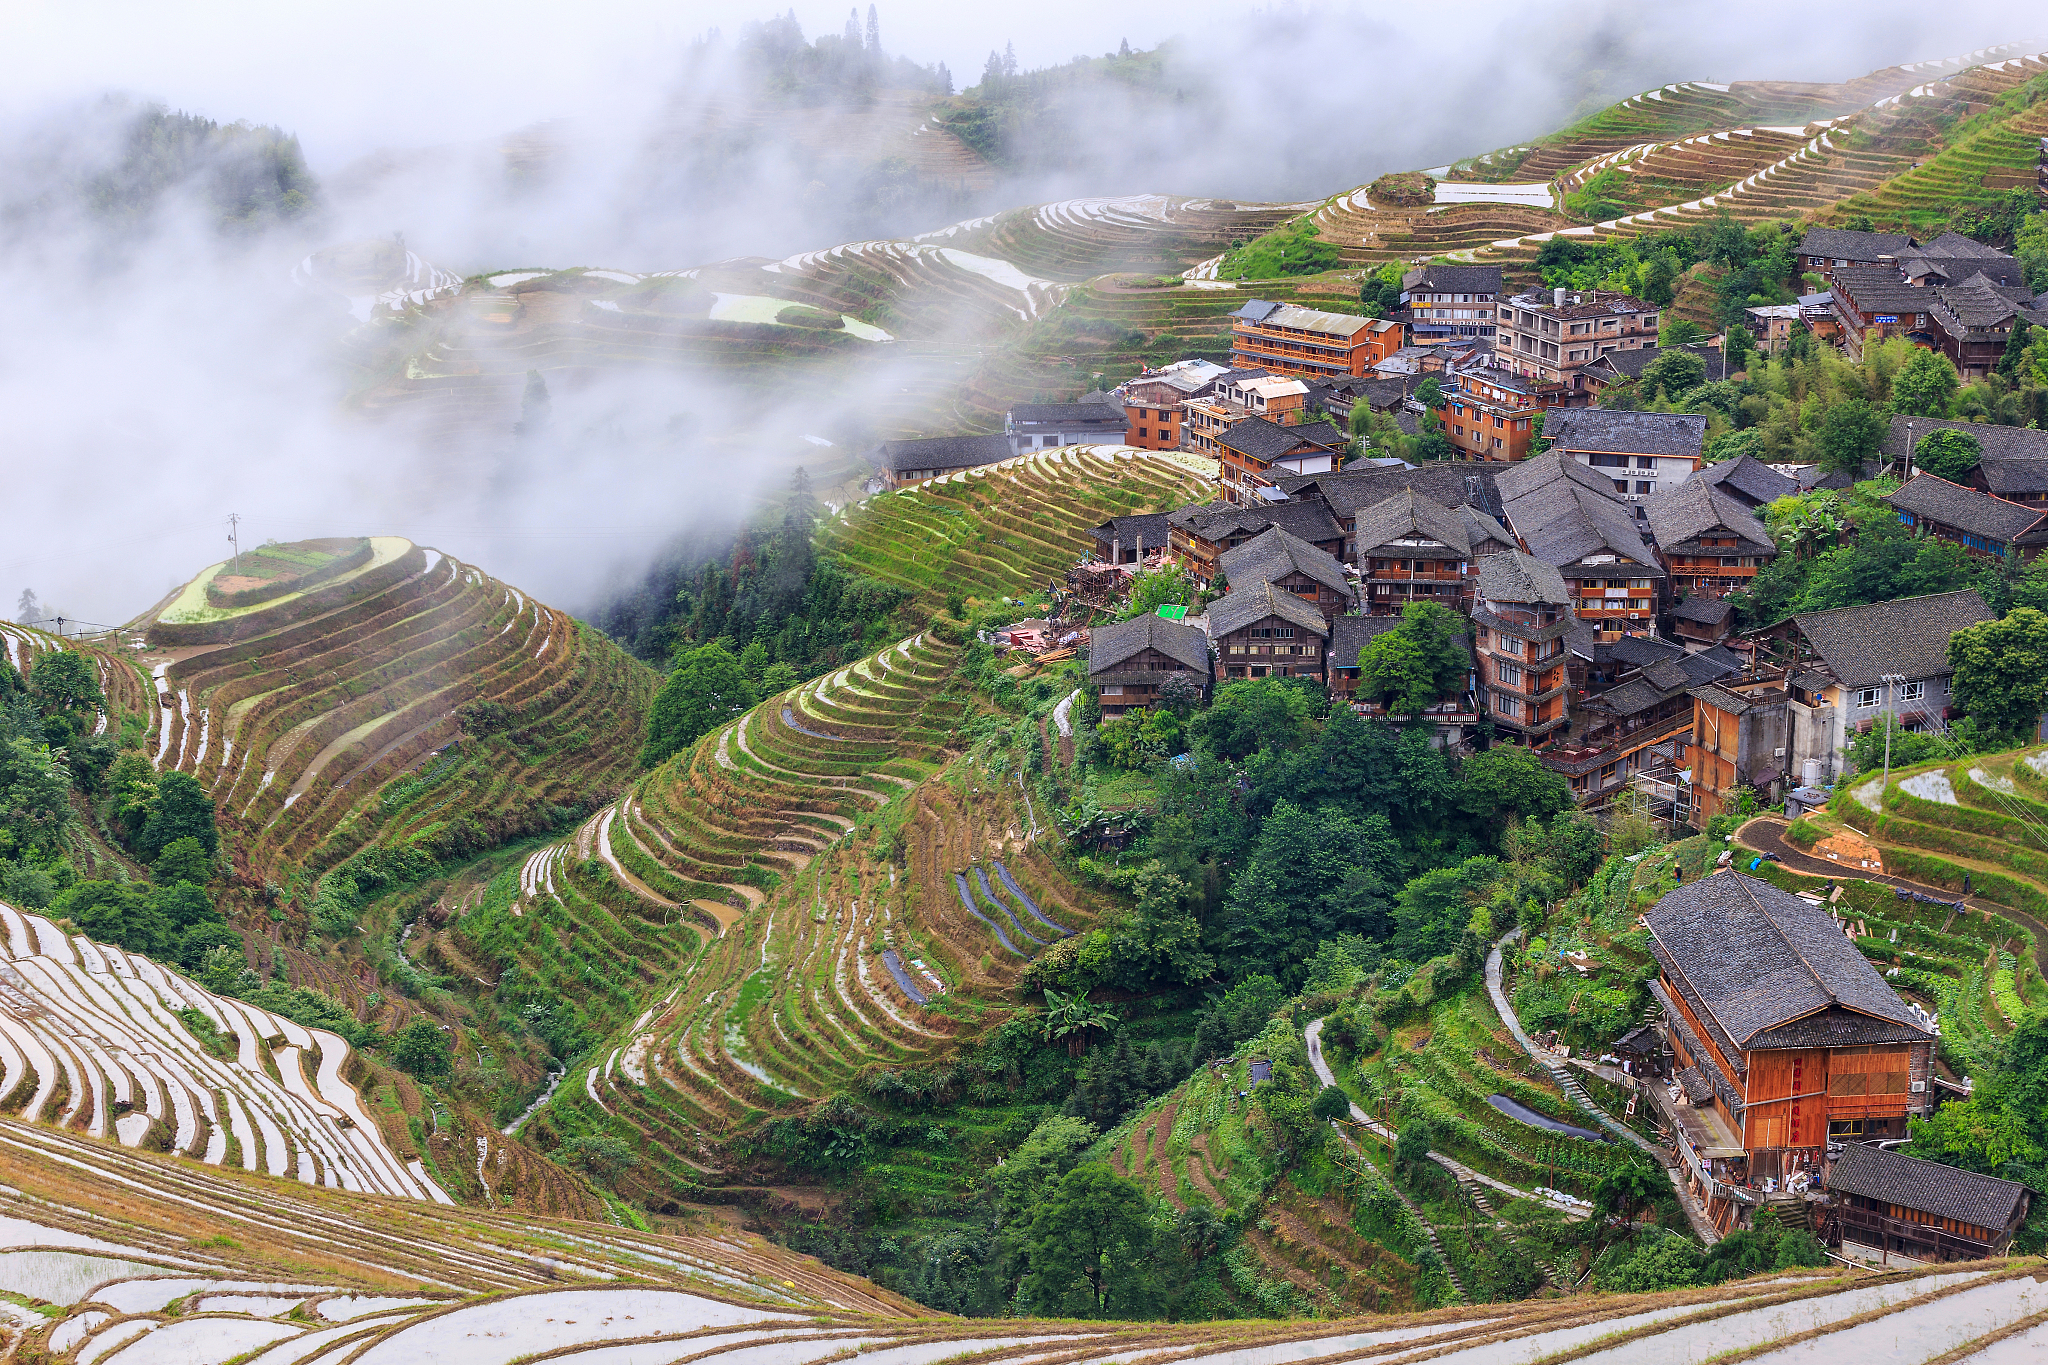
(1809, 772)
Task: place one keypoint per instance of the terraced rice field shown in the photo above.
(92, 1041)
(324, 723)
(824, 884)
(136, 1261)
(988, 532)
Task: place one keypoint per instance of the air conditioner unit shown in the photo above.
(1778, 752)
(1635, 616)
(1918, 1087)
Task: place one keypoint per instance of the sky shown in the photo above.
(154, 389)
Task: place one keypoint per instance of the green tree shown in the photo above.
(1925, 385)
(1411, 1147)
(1430, 393)
(2001, 670)
(1660, 1261)
(1509, 780)
(116, 912)
(1315, 873)
(1254, 714)
(35, 798)
(1947, 453)
(600, 1156)
(182, 810)
(422, 1050)
(1331, 1103)
(706, 689)
(65, 680)
(1417, 663)
(1037, 1164)
(2015, 355)
(1434, 911)
(1089, 1242)
(185, 904)
(183, 860)
(1849, 434)
(1673, 375)
(1161, 936)
(1166, 586)
(1738, 346)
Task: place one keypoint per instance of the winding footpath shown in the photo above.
(1694, 1214)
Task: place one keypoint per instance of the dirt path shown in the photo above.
(1162, 1160)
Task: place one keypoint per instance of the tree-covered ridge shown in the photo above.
(246, 176)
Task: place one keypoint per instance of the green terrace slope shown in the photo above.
(412, 703)
(1006, 528)
(825, 884)
(126, 1258)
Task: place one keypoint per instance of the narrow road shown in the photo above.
(1694, 1214)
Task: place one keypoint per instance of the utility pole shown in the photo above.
(1891, 720)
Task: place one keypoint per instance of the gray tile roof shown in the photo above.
(1110, 645)
(1967, 307)
(1539, 472)
(1998, 443)
(1410, 516)
(1721, 699)
(1878, 289)
(1619, 431)
(1216, 521)
(2008, 477)
(942, 452)
(1263, 439)
(1844, 245)
(1708, 611)
(1452, 483)
(1945, 1191)
(1512, 576)
(1680, 517)
(1757, 957)
(1908, 636)
(1455, 279)
(1244, 606)
(1747, 478)
(1640, 651)
(1567, 512)
(1273, 554)
(1965, 509)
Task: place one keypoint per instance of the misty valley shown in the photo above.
(819, 710)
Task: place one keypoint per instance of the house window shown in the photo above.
(1867, 697)
(1509, 674)
(1645, 486)
(1507, 706)
(1913, 691)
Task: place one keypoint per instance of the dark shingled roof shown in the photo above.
(1878, 289)
(1840, 244)
(1267, 440)
(1908, 637)
(1512, 576)
(1110, 645)
(1240, 608)
(1747, 478)
(1125, 531)
(1967, 509)
(2007, 477)
(1756, 957)
(1410, 516)
(1274, 554)
(1628, 433)
(1567, 512)
(1455, 279)
(1217, 522)
(1451, 483)
(1680, 517)
(1533, 475)
(1708, 611)
(1721, 699)
(1927, 1186)
(1349, 634)
(943, 452)
(1997, 443)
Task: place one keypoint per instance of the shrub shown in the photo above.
(421, 1049)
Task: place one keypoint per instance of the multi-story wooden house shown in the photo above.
(1738, 741)
(1412, 548)
(1899, 1210)
(1490, 412)
(1289, 339)
(1130, 539)
(1454, 303)
(1128, 661)
(1265, 631)
(1788, 1033)
(1521, 614)
(1569, 516)
(1984, 526)
(1824, 250)
(1256, 454)
(1289, 562)
(1872, 303)
(1711, 544)
(2014, 465)
(1640, 725)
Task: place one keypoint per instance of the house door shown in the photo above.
(1258, 670)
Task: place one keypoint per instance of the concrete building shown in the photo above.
(1288, 339)
(1442, 302)
(1553, 336)
(1644, 453)
(1044, 426)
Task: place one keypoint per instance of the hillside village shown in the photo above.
(1489, 789)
